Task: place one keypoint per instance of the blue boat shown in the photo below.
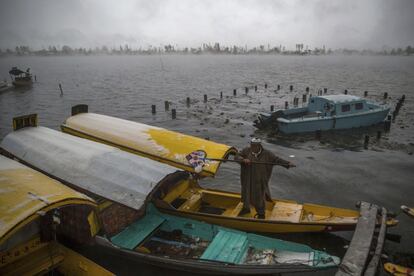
(325, 113)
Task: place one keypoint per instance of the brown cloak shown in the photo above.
(255, 177)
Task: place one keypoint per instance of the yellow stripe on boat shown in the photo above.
(26, 194)
(163, 145)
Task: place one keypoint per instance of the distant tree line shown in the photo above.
(205, 48)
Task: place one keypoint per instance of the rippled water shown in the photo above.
(335, 171)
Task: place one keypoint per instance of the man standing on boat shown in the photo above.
(256, 169)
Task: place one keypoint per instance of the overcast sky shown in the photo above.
(88, 23)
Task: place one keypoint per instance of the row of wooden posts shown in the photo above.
(272, 107)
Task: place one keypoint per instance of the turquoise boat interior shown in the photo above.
(161, 234)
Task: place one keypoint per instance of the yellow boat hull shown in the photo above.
(187, 199)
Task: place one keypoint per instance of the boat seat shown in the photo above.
(227, 246)
(138, 231)
(235, 211)
(285, 211)
(192, 203)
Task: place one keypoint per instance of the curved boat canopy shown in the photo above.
(25, 194)
(100, 169)
(160, 144)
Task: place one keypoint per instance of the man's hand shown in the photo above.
(246, 161)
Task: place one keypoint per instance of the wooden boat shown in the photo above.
(122, 183)
(185, 197)
(33, 209)
(325, 113)
(21, 78)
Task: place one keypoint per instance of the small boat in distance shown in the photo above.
(21, 78)
(325, 113)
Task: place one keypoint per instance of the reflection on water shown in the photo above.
(335, 170)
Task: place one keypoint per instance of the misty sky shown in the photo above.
(89, 23)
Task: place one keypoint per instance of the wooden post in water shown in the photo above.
(318, 134)
(61, 90)
(272, 108)
(205, 98)
(378, 135)
(167, 105)
(173, 113)
(188, 101)
(387, 124)
(153, 109)
(234, 92)
(366, 141)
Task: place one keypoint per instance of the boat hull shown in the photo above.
(327, 123)
(22, 83)
(205, 267)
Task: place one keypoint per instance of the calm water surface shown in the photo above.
(334, 171)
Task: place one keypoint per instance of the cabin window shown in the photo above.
(359, 106)
(346, 107)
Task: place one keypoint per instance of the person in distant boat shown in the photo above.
(255, 177)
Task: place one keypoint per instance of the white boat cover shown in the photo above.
(103, 170)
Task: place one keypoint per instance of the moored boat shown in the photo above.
(123, 184)
(35, 211)
(325, 113)
(21, 78)
(185, 197)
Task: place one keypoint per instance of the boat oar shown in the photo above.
(197, 159)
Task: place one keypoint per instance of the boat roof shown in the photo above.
(100, 169)
(157, 143)
(25, 194)
(340, 98)
(15, 71)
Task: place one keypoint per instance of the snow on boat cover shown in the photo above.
(100, 169)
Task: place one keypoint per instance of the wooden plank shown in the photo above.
(373, 264)
(134, 234)
(226, 247)
(191, 203)
(235, 211)
(356, 256)
(289, 212)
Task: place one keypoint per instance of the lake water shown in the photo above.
(336, 170)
